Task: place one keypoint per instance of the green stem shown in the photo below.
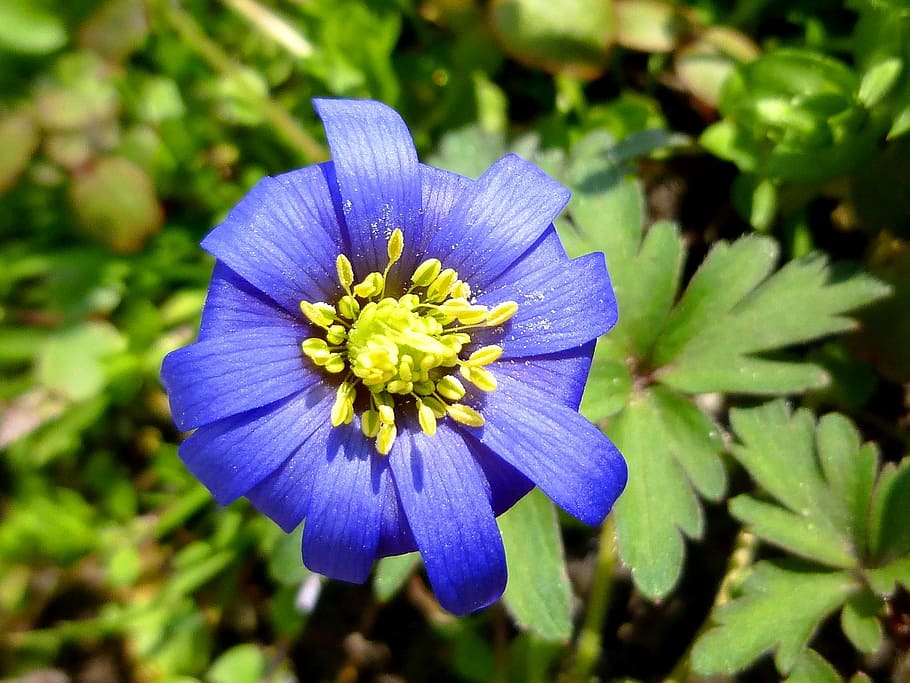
(740, 560)
(185, 26)
(589, 644)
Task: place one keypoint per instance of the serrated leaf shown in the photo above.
(538, 594)
(813, 668)
(816, 517)
(798, 534)
(728, 273)
(779, 610)
(889, 527)
(658, 505)
(391, 573)
(860, 622)
(805, 300)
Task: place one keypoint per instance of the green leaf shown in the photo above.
(285, 563)
(659, 504)
(883, 580)
(538, 594)
(72, 361)
(391, 573)
(819, 476)
(30, 27)
(240, 664)
(779, 610)
(19, 139)
(805, 300)
(813, 668)
(889, 528)
(860, 622)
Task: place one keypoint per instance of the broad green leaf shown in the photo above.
(889, 528)
(72, 361)
(883, 580)
(658, 505)
(30, 27)
(850, 469)
(813, 668)
(391, 573)
(820, 476)
(19, 139)
(798, 534)
(285, 563)
(645, 301)
(727, 275)
(240, 664)
(860, 621)
(780, 609)
(538, 594)
(805, 300)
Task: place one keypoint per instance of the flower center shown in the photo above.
(402, 352)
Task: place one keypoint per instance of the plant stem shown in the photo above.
(185, 26)
(589, 644)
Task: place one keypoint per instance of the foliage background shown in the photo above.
(743, 164)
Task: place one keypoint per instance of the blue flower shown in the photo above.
(396, 354)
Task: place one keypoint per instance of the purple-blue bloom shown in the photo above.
(396, 354)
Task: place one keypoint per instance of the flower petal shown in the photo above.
(284, 495)
(233, 455)
(560, 306)
(219, 377)
(283, 238)
(444, 495)
(233, 304)
(559, 450)
(561, 376)
(507, 485)
(377, 173)
(343, 523)
(496, 219)
(395, 537)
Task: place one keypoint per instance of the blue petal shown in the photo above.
(284, 496)
(565, 455)
(445, 498)
(560, 306)
(283, 238)
(233, 304)
(233, 455)
(507, 485)
(496, 219)
(395, 536)
(343, 523)
(561, 376)
(441, 191)
(216, 378)
(377, 173)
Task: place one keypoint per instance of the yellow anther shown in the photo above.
(474, 315)
(386, 414)
(426, 417)
(424, 388)
(398, 386)
(501, 313)
(442, 285)
(345, 272)
(371, 286)
(343, 408)
(452, 307)
(369, 423)
(385, 438)
(450, 387)
(465, 415)
(482, 378)
(317, 349)
(461, 290)
(320, 314)
(335, 363)
(426, 272)
(484, 355)
(405, 371)
(395, 247)
(437, 406)
(348, 307)
(336, 334)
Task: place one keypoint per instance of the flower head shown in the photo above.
(396, 354)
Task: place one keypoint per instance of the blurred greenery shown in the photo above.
(742, 163)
